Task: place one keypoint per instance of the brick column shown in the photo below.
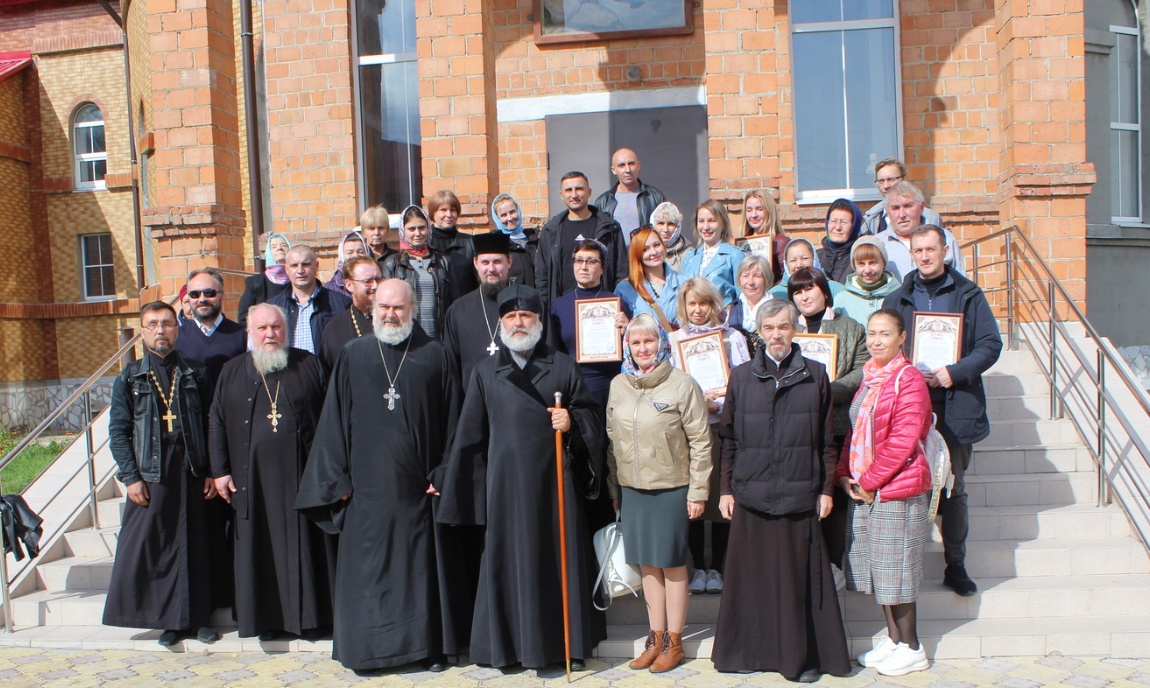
(1044, 176)
(197, 218)
(746, 117)
(457, 52)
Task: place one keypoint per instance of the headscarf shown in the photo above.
(517, 235)
(403, 245)
(350, 236)
(664, 354)
(787, 271)
(856, 224)
(272, 270)
(862, 440)
(678, 229)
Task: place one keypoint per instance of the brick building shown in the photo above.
(1006, 112)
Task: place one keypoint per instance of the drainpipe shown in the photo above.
(137, 224)
(255, 179)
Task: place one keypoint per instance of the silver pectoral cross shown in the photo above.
(391, 397)
(492, 348)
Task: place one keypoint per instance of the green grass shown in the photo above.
(31, 462)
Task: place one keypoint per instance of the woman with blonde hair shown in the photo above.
(715, 258)
(659, 483)
(754, 278)
(700, 311)
(761, 220)
(668, 222)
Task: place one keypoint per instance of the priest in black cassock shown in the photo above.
(360, 277)
(501, 473)
(385, 426)
(471, 326)
(161, 577)
(263, 419)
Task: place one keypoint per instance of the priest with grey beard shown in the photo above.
(501, 473)
(386, 424)
(263, 419)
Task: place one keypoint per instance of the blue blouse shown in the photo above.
(721, 270)
(666, 299)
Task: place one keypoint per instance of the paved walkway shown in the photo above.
(26, 666)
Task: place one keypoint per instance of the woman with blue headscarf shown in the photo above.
(659, 462)
(843, 223)
(261, 288)
(799, 253)
(508, 218)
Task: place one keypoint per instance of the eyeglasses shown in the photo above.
(165, 325)
(887, 180)
(369, 281)
(589, 262)
(838, 223)
(209, 293)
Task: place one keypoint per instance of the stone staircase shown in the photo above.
(1055, 572)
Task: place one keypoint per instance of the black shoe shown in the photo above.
(957, 580)
(207, 634)
(315, 633)
(170, 638)
(809, 676)
(269, 636)
(436, 665)
(578, 664)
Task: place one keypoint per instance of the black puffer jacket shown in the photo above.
(778, 455)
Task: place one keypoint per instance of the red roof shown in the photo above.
(11, 63)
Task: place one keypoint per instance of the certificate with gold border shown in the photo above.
(597, 340)
(823, 348)
(705, 359)
(937, 339)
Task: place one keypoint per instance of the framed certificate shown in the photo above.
(760, 246)
(937, 339)
(705, 359)
(596, 338)
(823, 348)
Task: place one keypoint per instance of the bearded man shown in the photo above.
(263, 419)
(501, 473)
(361, 276)
(385, 425)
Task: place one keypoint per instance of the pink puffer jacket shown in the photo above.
(899, 470)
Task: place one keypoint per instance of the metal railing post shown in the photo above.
(7, 591)
(1103, 491)
(90, 459)
(1011, 325)
(1055, 406)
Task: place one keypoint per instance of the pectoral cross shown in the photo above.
(492, 348)
(169, 416)
(274, 417)
(391, 396)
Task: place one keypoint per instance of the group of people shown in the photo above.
(382, 444)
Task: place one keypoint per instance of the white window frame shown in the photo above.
(1136, 126)
(82, 159)
(85, 266)
(356, 90)
(870, 193)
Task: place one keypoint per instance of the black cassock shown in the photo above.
(340, 330)
(283, 561)
(467, 329)
(501, 474)
(388, 608)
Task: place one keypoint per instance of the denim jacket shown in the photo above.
(134, 420)
(721, 270)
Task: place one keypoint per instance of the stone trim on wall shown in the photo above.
(25, 404)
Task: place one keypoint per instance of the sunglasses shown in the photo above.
(209, 293)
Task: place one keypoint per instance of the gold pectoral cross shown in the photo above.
(169, 416)
(274, 417)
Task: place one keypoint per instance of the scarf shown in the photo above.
(422, 251)
(862, 439)
(276, 273)
(629, 367)
(517, 235)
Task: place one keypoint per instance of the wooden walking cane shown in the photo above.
(563, 539)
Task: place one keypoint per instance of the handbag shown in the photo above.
(616, 577)
(937, 457)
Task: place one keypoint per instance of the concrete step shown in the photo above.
(86, 542)
(1023, 385)
(75, 608)
(1039, 558)
(1115, 637)
(990, 460)
(1018, 407)
(1017, 489)
(75, 573)
(1030, 432)
(110, 512)
(1031, 522)
(1015, 363)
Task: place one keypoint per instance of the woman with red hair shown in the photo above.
(651, 286)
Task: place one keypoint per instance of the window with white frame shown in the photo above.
(847, 98)
(387, 80)
(99, 272)
(1126, 121)
(91, 153)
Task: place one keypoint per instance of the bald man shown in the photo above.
(630, 202)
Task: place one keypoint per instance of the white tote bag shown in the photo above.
(616, 576)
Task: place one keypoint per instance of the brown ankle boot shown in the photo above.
(650, 651)
(671, 654)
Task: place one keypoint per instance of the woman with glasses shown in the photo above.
(651, 286)
(274, 281)
(843, 223)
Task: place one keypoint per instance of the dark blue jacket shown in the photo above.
(962, 417)
(134, 420)
(327, 305)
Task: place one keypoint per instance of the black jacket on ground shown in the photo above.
(962, 419)
(778, 451)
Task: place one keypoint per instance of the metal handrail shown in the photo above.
(1093, 392)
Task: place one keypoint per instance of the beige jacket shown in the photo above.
(658, 432)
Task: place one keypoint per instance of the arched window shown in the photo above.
(1125, 118)
(89, 149)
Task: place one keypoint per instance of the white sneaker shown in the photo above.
(881, 651)
(840, 578)
(904, 661)
(714, 582)
(698, 584)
